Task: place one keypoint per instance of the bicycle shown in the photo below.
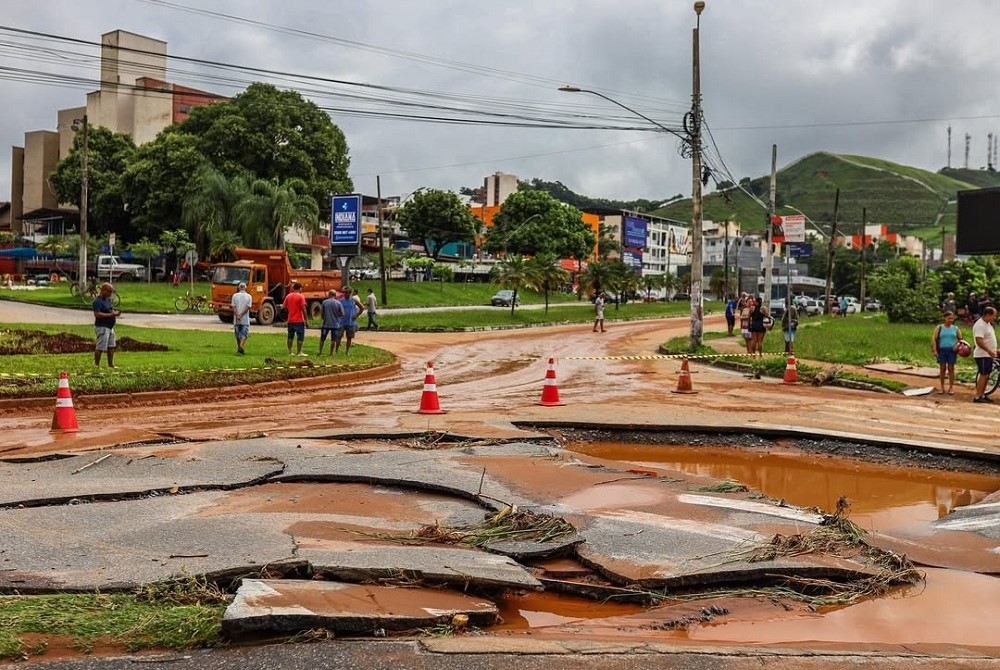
(993, 381)
(90, 293)
(192, 303)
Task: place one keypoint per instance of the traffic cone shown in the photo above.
(550, 392)
(684, 381)
(791, 371)
(429, 399)
(65, 417)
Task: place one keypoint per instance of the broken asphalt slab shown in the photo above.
(292, 606)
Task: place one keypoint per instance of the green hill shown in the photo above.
(910, 200)
(978, 178)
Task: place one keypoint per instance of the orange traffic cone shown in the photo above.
(65, 417)
(550, 392)
(791, 371)
(684, 381)
(429, 400)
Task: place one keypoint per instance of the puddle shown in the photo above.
(882, 497)
(540, 610)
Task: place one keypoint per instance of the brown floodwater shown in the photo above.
(882, 496)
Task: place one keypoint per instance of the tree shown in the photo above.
(606, 244)
(147, 250)
(652, 283)
(175, 244)
(222, 245)
(437, 218)
(546, 274)
(276, 135)
(442, 272)
(108, 154)
(717, 283)
(597, 277)
(271, 208)
(214, 206)
(532, 222)
(513, 272)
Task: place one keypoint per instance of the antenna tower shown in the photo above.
(968, 138)
(949, 147)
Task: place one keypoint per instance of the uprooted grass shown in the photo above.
(508, 525)
(836, 536)
(727, 486)
(179, 615)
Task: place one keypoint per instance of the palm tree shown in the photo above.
(53, 244)
(215, 206)
(596, 277)
(547, 274)
(223, 244)
(652, 283)
(513, 272)
(272, 208)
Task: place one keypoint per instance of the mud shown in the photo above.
(30, 342)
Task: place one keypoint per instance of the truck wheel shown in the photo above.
(226, 318)
(126, 276)
(265, 316)
(316, 310)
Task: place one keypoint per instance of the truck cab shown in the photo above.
(111, 268)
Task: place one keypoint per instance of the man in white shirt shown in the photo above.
(985, 352)
(241, 302)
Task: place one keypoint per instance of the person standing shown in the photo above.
(295, 308)
(949, 304)
(352, 308)
(944, 344)
(985, 352)
(789, 325)
(599, 311)
(371, 305)
(241, 303)
(758, 325)
(731, 313)
(843, 306)
(745, 322)
(333, 312)
(105, 317)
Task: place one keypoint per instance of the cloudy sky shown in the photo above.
(882, 78)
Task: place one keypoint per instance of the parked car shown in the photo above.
(810, 307)
(503, 298)
(777, 308)
(681, 296)
(873, 305)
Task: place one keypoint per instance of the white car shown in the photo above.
(810, 307)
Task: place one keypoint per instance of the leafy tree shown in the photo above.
(276, 135)
(6, 238)
(652, 283)
(717, 283)
(597, 277)
(55, 245)
(606, 243)
(147, 250)
(175, 244)
(623, 280)
(108, 154)
(547, 274)
(513, 272)
(222, 245)
(443, 272)
(159, 179)
(532, 222)
(908, 298)
(437, 218)
(215, 204)
(272, 208)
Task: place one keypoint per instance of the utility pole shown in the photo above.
(949, 147)
(697, 269)
(864, 225)
(768, 253)
(84, 197)
(989, 151)
(381, 241)
(829, 253)
(968, 138)
(725, 263)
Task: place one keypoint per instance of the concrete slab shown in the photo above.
(114, 474)
(291, 606)
(437, 564)
(903, 368)
(982, 518)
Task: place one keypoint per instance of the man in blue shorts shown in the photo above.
(105, 316)
(333, 311)
(241, 303)
(985, 351)
(295, 308)
(348, 322)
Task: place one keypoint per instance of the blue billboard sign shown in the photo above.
(346, 224)
(800, 249)
(634, 234)
(633, 259)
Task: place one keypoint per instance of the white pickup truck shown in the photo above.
(105, 268)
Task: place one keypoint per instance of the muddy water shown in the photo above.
(882, 497)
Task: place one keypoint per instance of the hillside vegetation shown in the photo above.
(908, 199)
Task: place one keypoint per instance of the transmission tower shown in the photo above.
(968, 139)
(949, 147)
(989, 151)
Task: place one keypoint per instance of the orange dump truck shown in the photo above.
(269, 276)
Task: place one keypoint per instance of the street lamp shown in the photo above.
(518, 228)
(692, 140)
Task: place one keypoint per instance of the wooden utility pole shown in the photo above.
(84, 198)
(725, 263)
(829, 253)
(694, 137)
(381, 241)
(768, 252)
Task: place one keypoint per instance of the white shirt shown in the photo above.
(242, 301)
(984, 330)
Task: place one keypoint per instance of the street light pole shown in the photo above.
(84, 196)
(694, 130)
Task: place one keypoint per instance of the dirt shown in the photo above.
(28, 342)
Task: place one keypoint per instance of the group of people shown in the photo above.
(970, 310)
(755, 321)
(340, 313)
(947, 343)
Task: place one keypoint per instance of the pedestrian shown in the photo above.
(745, 322)
(789, 325)
(333, 313)
(985, 351)
(599, 311)
(972, 307)
(241, 303)
(371, 305)
(944, 344)
(759, 316)
(843, 306)
(949, 304)
(352, 308)
(731, 313)
(295, 309)
(105, 317)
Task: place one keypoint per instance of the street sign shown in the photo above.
(800, 249)
(345, 225)
(795, 228)
(191, 257)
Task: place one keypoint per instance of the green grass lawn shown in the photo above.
(150, 298)
(193, 359)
